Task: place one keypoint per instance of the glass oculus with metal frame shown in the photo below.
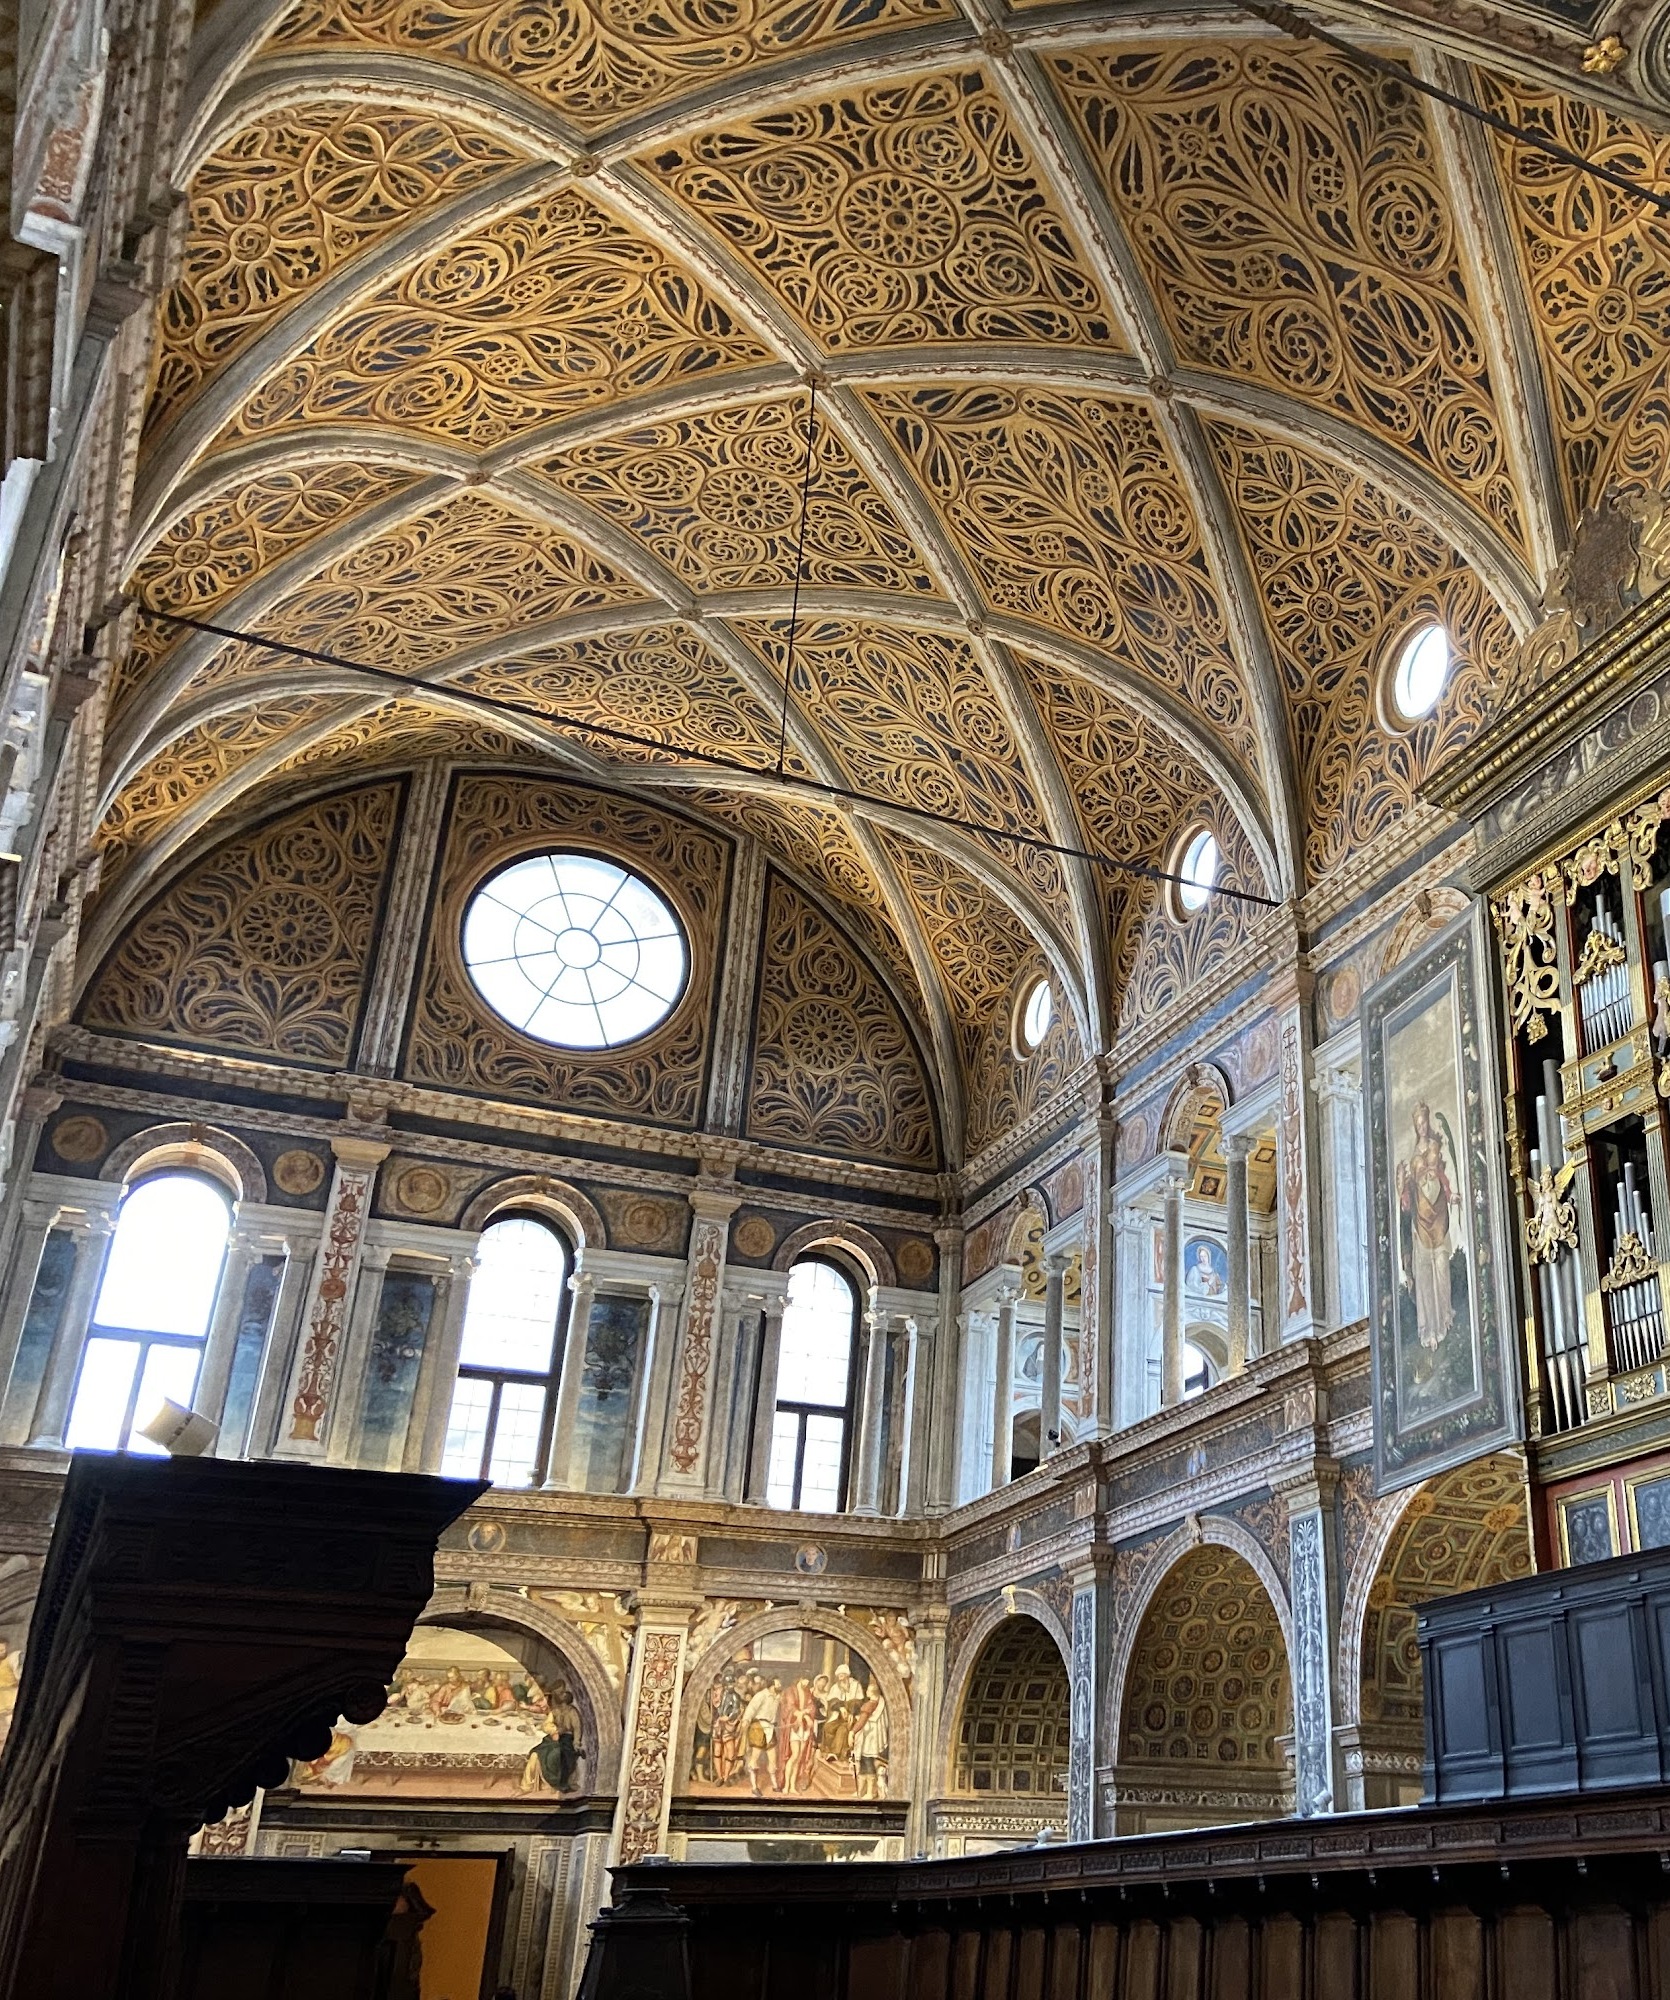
(1199, 870)
(1421, 673)
(574, 950)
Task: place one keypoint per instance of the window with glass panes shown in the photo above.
(156, 1299)
(811, 1428)
(499, 1427)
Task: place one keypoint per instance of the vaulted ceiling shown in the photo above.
(1167, 370)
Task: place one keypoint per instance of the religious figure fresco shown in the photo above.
(1205, 1268)
(465, 1719)
(795, 1715)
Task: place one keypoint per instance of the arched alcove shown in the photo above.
(1208, 1704)
(1014, 1724)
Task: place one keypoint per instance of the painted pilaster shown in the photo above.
(1099, 1387)
(414, 866)
(866, 1458)
(1088, 1752)
(944, 1416)
(342, 1448)
(92, 1231)
(927, 1697)
(1314, 1565)
(1339, 1096)
(690, 1423)
(432, 1398)
(664, 1608)
(1171, 1346)
(765, 1400)
(559, 1466)
(1237, 1146)
(301, 1242)
(1049, 1404)
(330, 1296)
(1297, 1207)
(1003, 1388)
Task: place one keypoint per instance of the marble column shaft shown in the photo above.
(1171, 1332)
(871, 1417)
(1237, 1146)
(559, 1470)
(52, 1408)
(1049, 1407)
(1003, 1389)
(765, 1401)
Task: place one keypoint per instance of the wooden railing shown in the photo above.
(1538, 1900)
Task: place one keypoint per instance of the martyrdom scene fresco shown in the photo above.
(795, 1714)
(1435, 1337)
(465, 1719)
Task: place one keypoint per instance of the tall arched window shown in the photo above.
(145, 1344)
(811, 1428)
(506, 1393)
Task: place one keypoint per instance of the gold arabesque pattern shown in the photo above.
(262, 948)
(1071, 513)
(834, 1068)
(547, 311)
(1346, 574)
(282, 205)
(596, 63)
(1596, 267)
(906, 212)
(716, 498)
(1294, 229)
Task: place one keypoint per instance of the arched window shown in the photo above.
(1198, 1372)
(502, 1405)
(145, 1344)
(811, 1429)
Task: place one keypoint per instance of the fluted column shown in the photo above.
(765, 1398)
(52, 1408)
(1003, 1389)
(1049, 1409)
(1236, 1146)
(867, 1452)
(1171, 1324)
(432, 1398)
(560, 1465)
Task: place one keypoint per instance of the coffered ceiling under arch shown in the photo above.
(1165, 372)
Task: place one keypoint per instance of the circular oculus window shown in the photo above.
(1198, 869)
(1037, 1012)
(1421, 673)
(574, 951)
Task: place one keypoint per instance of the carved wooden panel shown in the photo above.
(834, 1067)
(264, 945)
(596, 63)
(900, 213)
(547, 311)
(454, 1041)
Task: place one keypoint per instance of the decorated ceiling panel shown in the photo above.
(1067, 292)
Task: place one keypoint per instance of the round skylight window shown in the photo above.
(1198, 869)
(1423, 667)
(1037, 1012)
(574, 950)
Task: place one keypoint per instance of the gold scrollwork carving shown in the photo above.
(1599, 953)
(834, 1068)
(1524, 916)
(1552, 1221)
(262, 947)
(1630, 1264)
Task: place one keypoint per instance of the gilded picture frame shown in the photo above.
(1446, 1385)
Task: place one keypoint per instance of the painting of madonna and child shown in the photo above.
(465, 1719)
(794, 1715)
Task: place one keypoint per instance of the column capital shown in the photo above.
(1057, 1262)
(1239, 1145)
(359, 1154)
(949, 1236)
(1310, 1490)
(711, 1205)
(1174, 1182)
(1334, 1082)
(375, 1256)
(463, 1264)
(1291, 985)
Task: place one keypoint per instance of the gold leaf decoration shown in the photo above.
(201, 756)
(229, 541)
(834, 1069)
(1345, 573)
(456, 1043)
(551, 310)
(912, 717)
(456, 574)
(286, 202)
(598, 63)
(1525, 915)
(717, 499)
(988, 961)
(1291, 219)
(263, 947)
(902, 213)
(660, 681)
(1070, 512)
(1596, 267)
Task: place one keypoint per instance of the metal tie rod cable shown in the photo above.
(1302, 28)
(528, 711)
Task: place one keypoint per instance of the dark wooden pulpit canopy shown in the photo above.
(200, 1622)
